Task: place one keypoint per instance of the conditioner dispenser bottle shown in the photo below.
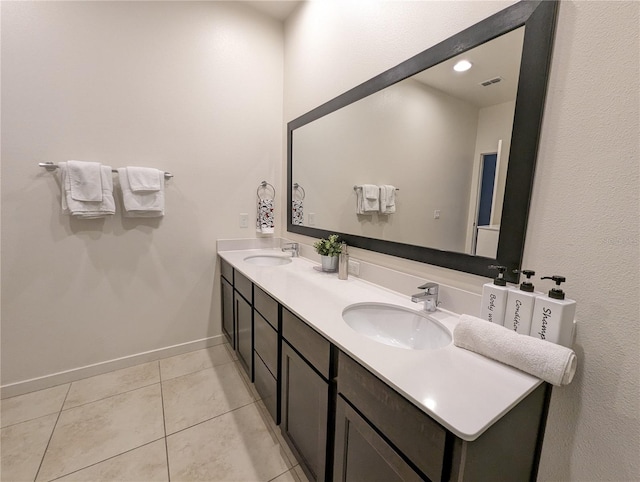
(520, 301)
(494, 298)
(553, 315)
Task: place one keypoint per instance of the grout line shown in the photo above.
(110, 396)
(279, 475)
(30, 419)
(52, 432)
(198, 370)
(212, 418)
(109, 458)
(164, 424)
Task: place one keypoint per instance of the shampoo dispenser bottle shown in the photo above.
(494, 298)
(553, 316)
(520, 302)
(343, 262)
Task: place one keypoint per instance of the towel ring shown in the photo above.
(300, 188)
(263, 185)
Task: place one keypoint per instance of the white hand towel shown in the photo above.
(552, 363)
(265, 223)
(387, 199)
(367, 199)
(144, 179)
(141, 204)
(87, 209)
(85, 180)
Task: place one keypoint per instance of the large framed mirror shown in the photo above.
(456, 150)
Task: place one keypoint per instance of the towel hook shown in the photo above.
(263, 185)
(299, 187)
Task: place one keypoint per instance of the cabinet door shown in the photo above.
(228, 323)
(361, 454)
(305, 396)
(244, 336)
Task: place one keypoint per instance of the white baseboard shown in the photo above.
(67, 376)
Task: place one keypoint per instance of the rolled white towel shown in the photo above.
(552, 363)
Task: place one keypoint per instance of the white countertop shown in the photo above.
(463, 391)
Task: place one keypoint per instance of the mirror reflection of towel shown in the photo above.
(265, 220)
(368, 199)
(297, 212)
(387, 199)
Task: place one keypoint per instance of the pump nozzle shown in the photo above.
(556, 293)
(526, 285)
(499, 279)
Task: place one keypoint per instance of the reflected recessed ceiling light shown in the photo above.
(462, 66)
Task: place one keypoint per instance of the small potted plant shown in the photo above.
(328, 249)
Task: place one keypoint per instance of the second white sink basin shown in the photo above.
(396, 326)
(268, 260)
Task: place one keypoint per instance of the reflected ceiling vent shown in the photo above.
(489, 82)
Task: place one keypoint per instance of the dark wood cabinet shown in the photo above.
(508, 450)
(305, 404)
(228, 314)
(361, 454)
(343, 423)
(266, 347)
(244, 336)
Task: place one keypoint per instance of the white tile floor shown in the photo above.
(190, 417)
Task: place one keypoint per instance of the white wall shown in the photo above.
(191, 88)
(391, 138)
(585, 207)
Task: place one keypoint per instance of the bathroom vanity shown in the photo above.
(352, 408)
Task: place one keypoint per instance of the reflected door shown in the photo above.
(487, 183)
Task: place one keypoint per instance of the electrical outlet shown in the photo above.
(354, 268)
(244, 220)
(312, 219)
(436, 214)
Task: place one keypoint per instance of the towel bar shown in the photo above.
(50, 166)
(355, 188)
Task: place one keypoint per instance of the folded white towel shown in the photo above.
(87, 209)
(387, 199)
(552, 363)
(85, 180)
(141, 204)
(144, 179)
(367, 199)
(265, 223)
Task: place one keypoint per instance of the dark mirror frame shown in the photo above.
(539, 19)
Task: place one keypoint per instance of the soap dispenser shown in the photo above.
(494, 297)
(553, 315)
(520, 302)
(343, 262)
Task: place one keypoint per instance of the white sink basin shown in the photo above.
(396, 326)
(268, 260)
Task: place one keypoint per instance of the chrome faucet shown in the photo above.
(293, 247)
(429, 296)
